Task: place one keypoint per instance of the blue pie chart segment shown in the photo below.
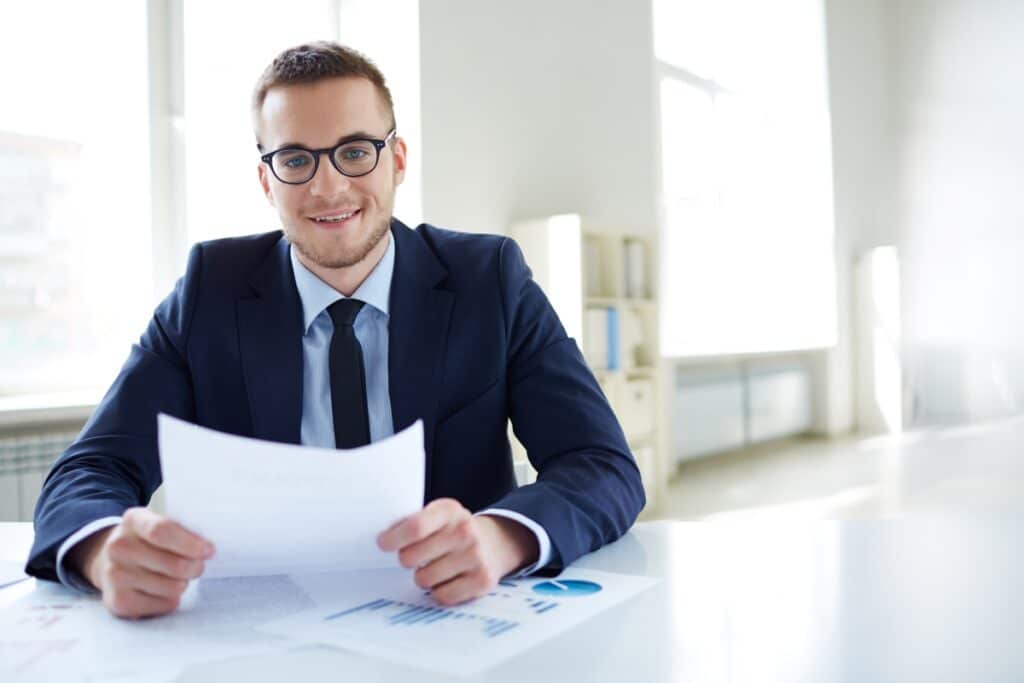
(568, 588)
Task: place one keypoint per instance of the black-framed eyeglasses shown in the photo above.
(352, 158)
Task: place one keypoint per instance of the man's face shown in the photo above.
(319, 115)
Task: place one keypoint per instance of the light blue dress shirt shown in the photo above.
(317, 428)
(371, 328)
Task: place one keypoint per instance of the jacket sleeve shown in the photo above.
(113, 464)
(588, 490)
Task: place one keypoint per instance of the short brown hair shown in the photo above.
(316, 61)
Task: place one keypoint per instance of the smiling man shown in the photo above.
(339, 330)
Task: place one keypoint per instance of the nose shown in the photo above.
(328, 181)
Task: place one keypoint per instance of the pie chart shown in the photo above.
(568, 588)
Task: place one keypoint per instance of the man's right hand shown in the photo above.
(142, 565)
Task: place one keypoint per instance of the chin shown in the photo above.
(328, 253)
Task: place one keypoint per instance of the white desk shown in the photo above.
(929, 599)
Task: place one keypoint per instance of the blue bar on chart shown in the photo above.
(398, 613)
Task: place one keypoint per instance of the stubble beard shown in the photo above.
(345, 257)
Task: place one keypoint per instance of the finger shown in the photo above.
(465, 586)
(133, 604)
(157, 585)
(164, 533)
(427, 521)
(119, 580)
(445, 569)
(458, 535)
(133, 552)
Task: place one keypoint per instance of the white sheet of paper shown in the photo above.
(12, 572)
(384, 614)
(273, 508)
(52, 633)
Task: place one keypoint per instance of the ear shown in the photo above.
(261, 170)
(400, 160)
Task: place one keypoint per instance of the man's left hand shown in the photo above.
(458, 556)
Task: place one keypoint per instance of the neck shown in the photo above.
(347, 279)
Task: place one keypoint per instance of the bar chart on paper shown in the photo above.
(497, 613)
(391, 619)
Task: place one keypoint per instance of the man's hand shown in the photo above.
(458, 556)
(142, 565)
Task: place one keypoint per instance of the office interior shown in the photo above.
(784, 234)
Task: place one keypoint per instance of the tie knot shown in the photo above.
(344, 311)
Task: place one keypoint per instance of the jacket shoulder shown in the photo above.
(471, 259)
(229, 262)
(247, 250)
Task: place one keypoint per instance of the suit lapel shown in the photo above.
(270, 337)
(417, 334)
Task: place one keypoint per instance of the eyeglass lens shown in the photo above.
(297, 165)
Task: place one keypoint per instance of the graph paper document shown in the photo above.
(272, 508)
(384, 614)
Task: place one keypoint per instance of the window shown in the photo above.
(97, 130)
(746, 184)
(74, 195)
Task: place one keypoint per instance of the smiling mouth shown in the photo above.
(334, 219)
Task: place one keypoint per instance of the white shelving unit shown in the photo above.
(590, 273)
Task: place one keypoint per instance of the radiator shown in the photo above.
(729, 409)
(25, 460)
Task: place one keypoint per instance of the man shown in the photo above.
(343, 330)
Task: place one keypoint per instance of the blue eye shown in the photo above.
(353, 154)
(296, 161)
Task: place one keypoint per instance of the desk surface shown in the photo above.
(924, 599)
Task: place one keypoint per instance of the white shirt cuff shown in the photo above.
(68, 576)
(543, 541)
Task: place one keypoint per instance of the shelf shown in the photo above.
(626, 373)
(584, 270)
(614, 301)
(600, 301)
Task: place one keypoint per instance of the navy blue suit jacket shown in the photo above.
(473, 343)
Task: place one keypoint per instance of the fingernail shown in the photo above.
(209, 550)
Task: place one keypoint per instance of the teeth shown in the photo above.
(336, 219)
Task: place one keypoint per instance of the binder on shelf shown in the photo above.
(595, 338)
(635, 265)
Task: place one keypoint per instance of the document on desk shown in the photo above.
(273, 508)
(384, 614)
(11, 573)
(49, 632)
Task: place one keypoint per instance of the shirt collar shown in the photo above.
(316, 295)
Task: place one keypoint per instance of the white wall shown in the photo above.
(389, 34)
(926, 104)
(959, 156)
(539, 108)
(861, 149)
(535, 108)
(860, 94)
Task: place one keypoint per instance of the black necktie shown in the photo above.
(348, 378)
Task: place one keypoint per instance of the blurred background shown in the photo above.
(785, 234)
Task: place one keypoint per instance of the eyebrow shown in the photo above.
(358, 135)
